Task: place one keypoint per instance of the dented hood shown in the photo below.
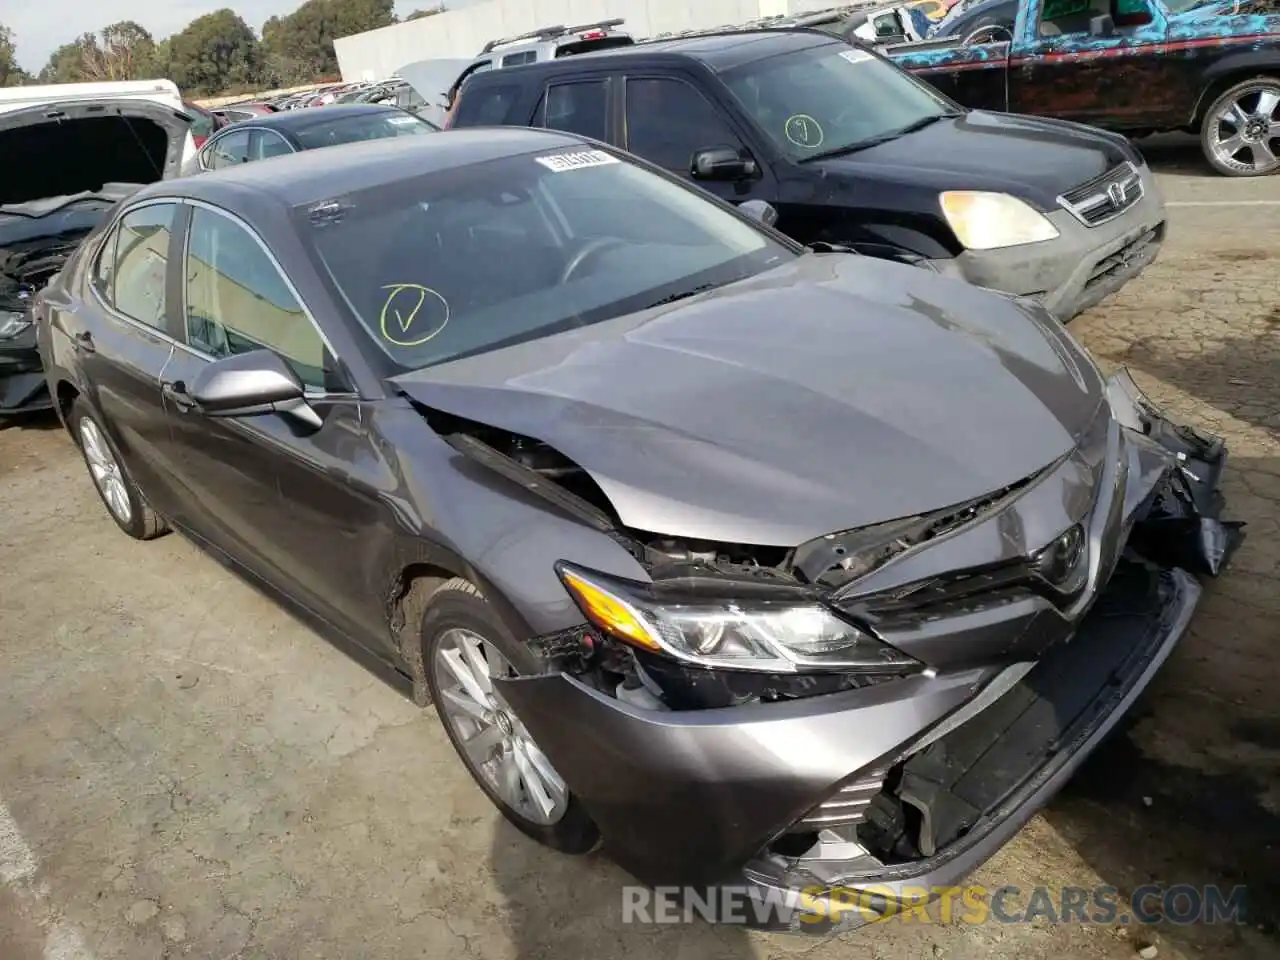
(833, 392)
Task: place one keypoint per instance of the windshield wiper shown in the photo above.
(882, 138)
(682, 295)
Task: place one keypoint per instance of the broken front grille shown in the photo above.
(845, 807)
(1106, 197)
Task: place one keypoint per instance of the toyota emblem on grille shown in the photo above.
(1115, 192)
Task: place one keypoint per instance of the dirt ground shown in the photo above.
(187, 771)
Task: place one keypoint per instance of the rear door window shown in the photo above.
(488, 106)
(229, 150)
(141, 262)
(579, 107)
(268, 143)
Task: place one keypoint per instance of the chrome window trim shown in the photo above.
(312, 393)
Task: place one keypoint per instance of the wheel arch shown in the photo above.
(413, 587)
(1232, 70)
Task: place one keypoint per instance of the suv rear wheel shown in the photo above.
(1240, 133)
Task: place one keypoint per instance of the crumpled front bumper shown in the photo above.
(696, 798)
(22, 384)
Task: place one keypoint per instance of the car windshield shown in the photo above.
(831, 99)
(468, 260)
(363, 126)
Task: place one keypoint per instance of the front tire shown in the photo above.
(1240, 133)
(465, 644)
(119, 494)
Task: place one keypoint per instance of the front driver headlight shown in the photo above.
(988, 221)
(773, 636)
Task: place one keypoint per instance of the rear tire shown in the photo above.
(1248, 115)
(461, 628)
(119, 494)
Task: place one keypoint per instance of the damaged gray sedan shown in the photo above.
(770, 569)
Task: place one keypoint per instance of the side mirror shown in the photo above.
(760, 210)
(250, 383)
(1102, 26)
(722, 163)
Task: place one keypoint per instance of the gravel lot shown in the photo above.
(185, 770)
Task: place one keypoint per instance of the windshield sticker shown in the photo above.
(404, 322)
(560, 162)
(856, 56)
(403, 121)
(804, 131)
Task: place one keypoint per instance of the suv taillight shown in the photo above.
(593, 35)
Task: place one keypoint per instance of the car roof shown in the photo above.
(312, 176)
(292, 120)
(719, 51)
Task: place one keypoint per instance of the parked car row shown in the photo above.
(1134, 66)
(714, 548)
(712, 538)
(851, 151)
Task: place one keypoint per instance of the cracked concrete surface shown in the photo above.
(185, 770)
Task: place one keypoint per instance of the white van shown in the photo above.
(70, 137)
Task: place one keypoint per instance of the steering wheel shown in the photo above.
(584, 253)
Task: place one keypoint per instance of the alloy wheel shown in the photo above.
(1245, 129)
(105, 470)
(498, 747)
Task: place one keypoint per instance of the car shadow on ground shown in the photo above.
(1177, 153)
(45, 420)
(562, 906)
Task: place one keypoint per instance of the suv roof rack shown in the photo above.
(551, 33)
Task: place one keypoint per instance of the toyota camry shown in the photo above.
(788, 569)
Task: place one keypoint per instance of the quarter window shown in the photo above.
(577, 108)
(237, 301)
(668, 121)
(135, 282)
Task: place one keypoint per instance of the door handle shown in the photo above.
(84, 342)
(176, 391)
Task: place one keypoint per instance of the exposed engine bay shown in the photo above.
(1177, 527)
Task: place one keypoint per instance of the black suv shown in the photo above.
(851, 150)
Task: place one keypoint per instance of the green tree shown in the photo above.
(124, 51)
(67, 63)
(10, 73)
(299, 46)
(214, 52)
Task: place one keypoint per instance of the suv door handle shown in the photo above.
(84, 342)
(176, 391)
